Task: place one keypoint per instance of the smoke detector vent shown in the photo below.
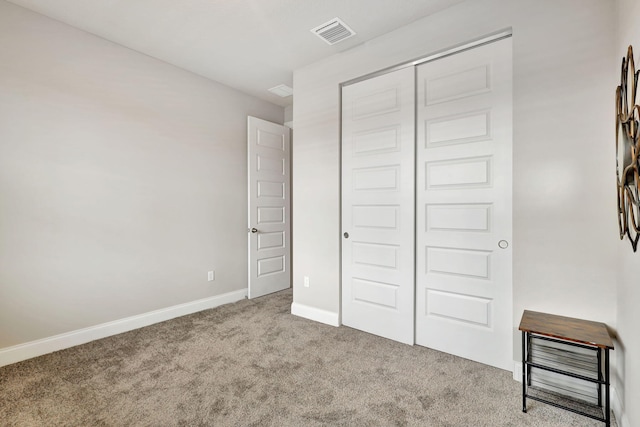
(282, 90)
(333, 31)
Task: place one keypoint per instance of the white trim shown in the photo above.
(517, 371)
(616, 403)
(489, 38)
(39, 347)
(616, 406)
(315, 314)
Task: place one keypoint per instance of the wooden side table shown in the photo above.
(572, 333)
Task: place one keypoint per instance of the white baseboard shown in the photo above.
(616, 406)
(616, 403)
(39, 347)
(315, 314)
(517, 371)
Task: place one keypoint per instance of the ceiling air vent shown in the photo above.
(333, 31)
(282, 90)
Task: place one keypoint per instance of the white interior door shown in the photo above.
(378, 205)
(464, 198)
(269, 201)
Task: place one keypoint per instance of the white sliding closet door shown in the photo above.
(464, 198)
(378, 176)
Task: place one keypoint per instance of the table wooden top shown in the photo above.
(567, 328)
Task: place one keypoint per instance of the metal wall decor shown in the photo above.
(628, 151)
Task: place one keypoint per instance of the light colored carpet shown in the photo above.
(254, 364)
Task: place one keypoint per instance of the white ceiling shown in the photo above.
(250, 45)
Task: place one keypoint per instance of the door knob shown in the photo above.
(254, 230)
(346, 235)
(503, 244)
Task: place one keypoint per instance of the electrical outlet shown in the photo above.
(211, 276)
(306, 281)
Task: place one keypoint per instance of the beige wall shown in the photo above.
(628, 346)
(565, 235)
(122, 181)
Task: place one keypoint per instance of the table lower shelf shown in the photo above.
(568, 403)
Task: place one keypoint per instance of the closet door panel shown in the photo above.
(378, 182)
(464, 161)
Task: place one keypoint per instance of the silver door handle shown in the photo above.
(503, 244)
(254, 230)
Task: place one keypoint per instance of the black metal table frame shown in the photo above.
(601, 380)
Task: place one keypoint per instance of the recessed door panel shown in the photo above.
(269, 215)
(458, 262)
(376, 255)
(380, 102)
(458, 128)
(377, 141)
(271, 265)
(378, 217)
(458, 308)
(378, 294)
(384, 178)
(269, 164)
(271, 189)
(462, 83)
(458, 217)
(270, 139)
(270, 240)
(457, 173)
